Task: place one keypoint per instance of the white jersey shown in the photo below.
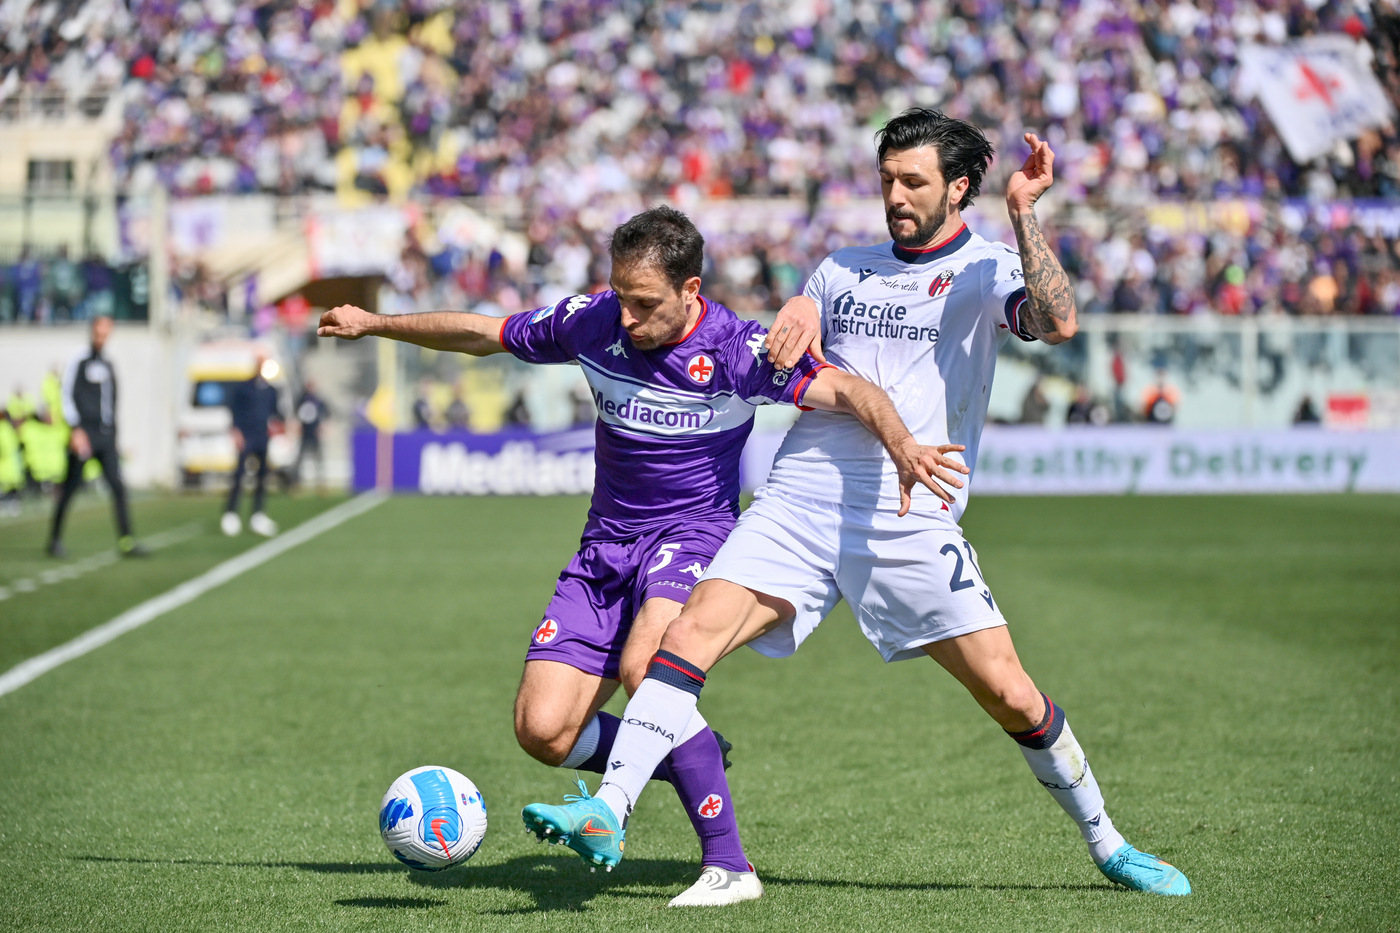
(922, 325)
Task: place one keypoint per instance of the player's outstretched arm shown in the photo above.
(453, 331)
(1050, 313)
(796, 330)
(835, 390)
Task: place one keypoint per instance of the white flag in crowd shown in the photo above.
(1316, 90)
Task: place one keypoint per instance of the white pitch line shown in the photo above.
(77, 569)
(190, 590)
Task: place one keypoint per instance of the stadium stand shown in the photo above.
(565, 117)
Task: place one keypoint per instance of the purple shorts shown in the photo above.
(603, 588)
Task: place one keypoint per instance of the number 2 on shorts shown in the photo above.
(957, 581)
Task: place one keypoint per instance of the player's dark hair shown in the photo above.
(663, 237)
(963, 149)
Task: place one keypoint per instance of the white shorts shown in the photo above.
(910, 581)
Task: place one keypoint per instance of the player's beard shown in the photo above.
(924, 230)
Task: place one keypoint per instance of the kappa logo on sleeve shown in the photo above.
(575, 305)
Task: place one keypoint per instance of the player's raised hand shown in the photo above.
(1033, 178)
(923, 465)
(346, 321)
(796, 330)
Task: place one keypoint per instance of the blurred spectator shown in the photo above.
(423, 407)
(1306, 413)
(457, 414)
(1085, 409)
(311, 413)
(585, 411)
(1160, 401)
(1035, 406)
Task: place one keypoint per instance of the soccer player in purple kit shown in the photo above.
(675, 378)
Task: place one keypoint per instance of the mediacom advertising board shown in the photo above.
(514, 462)
(1012, 461)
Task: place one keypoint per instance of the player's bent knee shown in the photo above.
(545, 735)
(696, 638)
(633, 672)
(547, 746)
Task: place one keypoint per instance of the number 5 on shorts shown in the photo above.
(668, 553)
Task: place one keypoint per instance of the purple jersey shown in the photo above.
(671, 421)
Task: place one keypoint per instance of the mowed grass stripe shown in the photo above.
(27, 671)
(35, 621)
(223, 769)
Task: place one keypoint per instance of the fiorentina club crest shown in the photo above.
(712, 807)
(546, 632)
(700, 369)
(939, 286)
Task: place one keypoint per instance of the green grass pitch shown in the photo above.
(1231, 665)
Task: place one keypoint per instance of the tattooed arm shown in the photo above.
(1049, 314)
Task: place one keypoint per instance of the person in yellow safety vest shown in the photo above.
(18, 409)
(56, 441)
(20, 405)
(46, 451)
(11, 469)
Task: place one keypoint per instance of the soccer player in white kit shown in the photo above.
(921, 316)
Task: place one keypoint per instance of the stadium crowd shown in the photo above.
(570, 115)
(55, 289)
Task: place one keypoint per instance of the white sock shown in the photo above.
(586, 745)
(1064, 771)
(657, 719)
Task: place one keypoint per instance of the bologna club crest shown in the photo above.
(546, 632)
(700, 369)
(939, 286)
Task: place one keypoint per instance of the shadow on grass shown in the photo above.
(392, 903)
(556, 882)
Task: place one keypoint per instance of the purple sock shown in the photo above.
(697, 772)
(607, 732)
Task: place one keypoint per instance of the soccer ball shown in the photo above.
(432, 818)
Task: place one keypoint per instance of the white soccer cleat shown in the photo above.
(262, 525)
(230, 524)
(719, 887)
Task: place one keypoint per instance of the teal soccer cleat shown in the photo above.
(584, 824)
(1142, 872)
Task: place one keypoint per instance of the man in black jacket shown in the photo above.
(312, 411)
(90, 407)
(253, 405)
